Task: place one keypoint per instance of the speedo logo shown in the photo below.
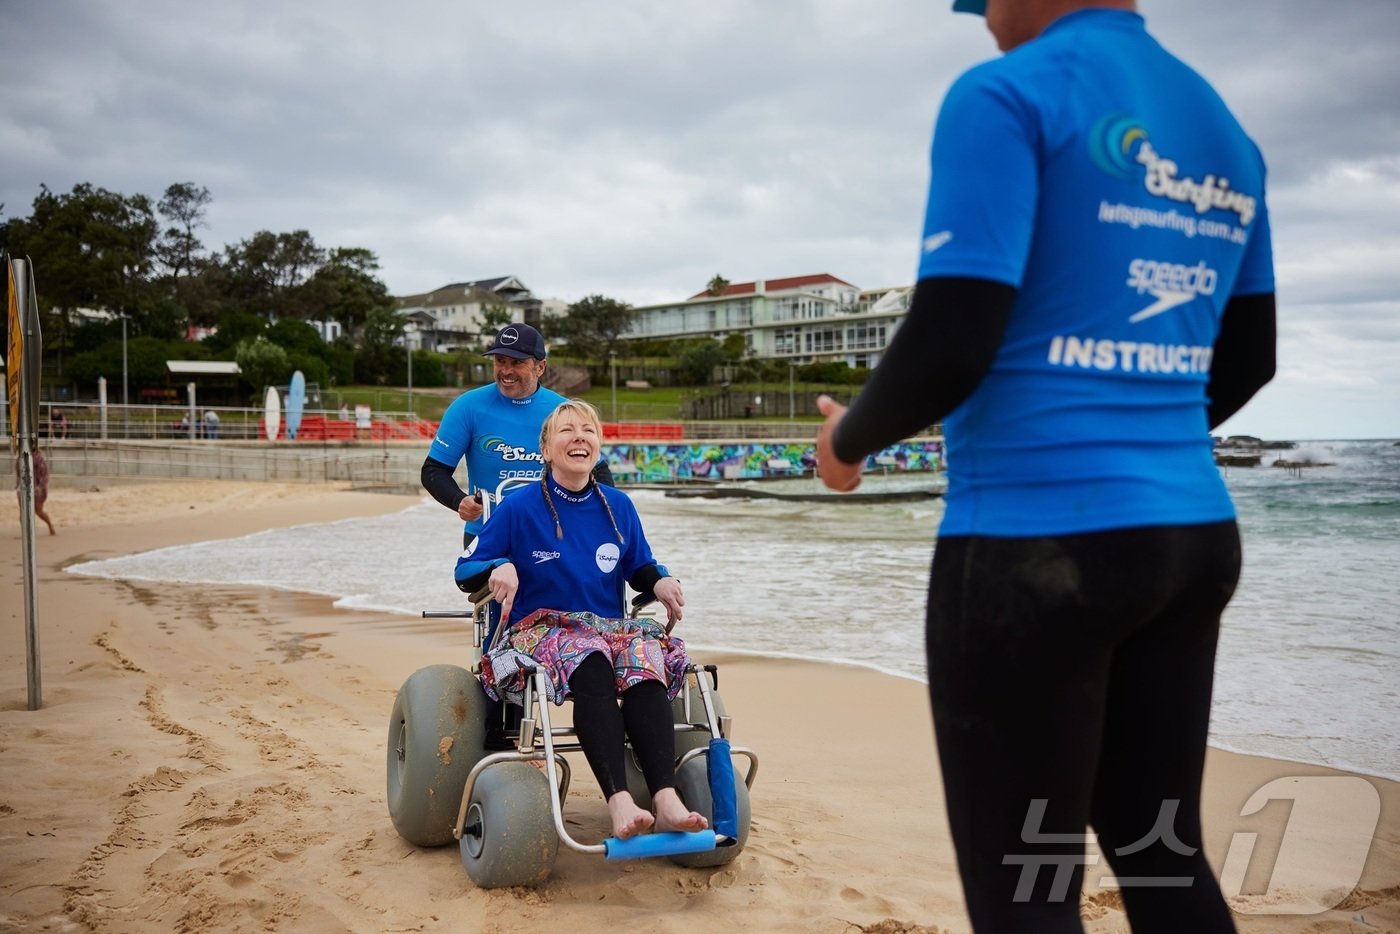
(542, 556)
(1172, 284)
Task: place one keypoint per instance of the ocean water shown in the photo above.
(1309, 663)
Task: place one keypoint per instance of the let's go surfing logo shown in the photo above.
(507, 451)
(1119, 144)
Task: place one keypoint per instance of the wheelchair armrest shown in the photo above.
(474, 585)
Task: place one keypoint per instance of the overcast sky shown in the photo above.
(635, 148)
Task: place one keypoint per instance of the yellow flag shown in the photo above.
(14, 354)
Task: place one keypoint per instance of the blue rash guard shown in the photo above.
(498, 435)
(585, 571)
(1109, 184)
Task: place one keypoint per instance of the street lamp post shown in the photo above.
(408, 348)
(126, 412)
(612, 364)
(792, 398)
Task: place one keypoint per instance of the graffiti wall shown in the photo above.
(743, 460)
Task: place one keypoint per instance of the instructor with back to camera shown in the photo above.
(1095, 295)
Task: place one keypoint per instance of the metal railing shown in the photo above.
(87, 421)
(394, 466)
(78, 421)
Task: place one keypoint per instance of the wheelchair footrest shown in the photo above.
(659, 844)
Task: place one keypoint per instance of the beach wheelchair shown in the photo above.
(462, 767)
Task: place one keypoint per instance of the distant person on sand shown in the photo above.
(41, 488)
(565, 614)
(211, 425)
(1095, 294)
(510, 412)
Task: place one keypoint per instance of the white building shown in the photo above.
(451, 317)
(803, 319)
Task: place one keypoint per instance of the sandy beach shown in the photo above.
(212, 758)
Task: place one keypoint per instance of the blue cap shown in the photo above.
(970, 6)
(519, 341)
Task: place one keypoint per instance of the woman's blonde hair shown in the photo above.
(551, 422)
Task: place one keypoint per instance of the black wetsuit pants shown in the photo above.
(644, 717)
(1071, 678)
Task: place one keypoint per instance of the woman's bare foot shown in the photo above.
(628, 820)
(672, 814)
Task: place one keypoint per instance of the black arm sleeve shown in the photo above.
(436, 478)
(645, 578)
(1244, 357)
(940, 353)
(603, 474)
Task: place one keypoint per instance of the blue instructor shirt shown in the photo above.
(1107, 182)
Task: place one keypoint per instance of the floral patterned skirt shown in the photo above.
(638, 649)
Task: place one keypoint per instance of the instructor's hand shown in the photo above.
(504, 582)
(469, 509)
(835, 473)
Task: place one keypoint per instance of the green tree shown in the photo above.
(178, 248)
(292, 335)
(345, 289)
(593, 327)
(146, 363)
(267, 272)
(697, 361)
(378, 360)
(263, 363)
(494, 316)
(92, 248)
(717, 285)
(235, 327)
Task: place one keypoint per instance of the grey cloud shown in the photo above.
(636, 148)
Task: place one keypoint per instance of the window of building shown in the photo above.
(822, 340)
(865, 335)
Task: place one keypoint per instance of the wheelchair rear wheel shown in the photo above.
(436, 733)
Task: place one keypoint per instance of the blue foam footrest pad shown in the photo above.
(660, 844)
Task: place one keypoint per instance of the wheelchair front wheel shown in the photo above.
(509, 837)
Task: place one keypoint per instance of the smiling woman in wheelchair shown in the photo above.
(557, 558)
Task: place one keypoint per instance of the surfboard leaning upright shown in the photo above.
(296, 404)
(272, 413)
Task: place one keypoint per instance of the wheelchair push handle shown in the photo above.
(643, 600)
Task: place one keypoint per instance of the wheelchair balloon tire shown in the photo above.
(436, 732)
(693, 785)
(510, 837)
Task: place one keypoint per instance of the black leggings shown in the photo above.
(1071, 682)
(645, 715)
